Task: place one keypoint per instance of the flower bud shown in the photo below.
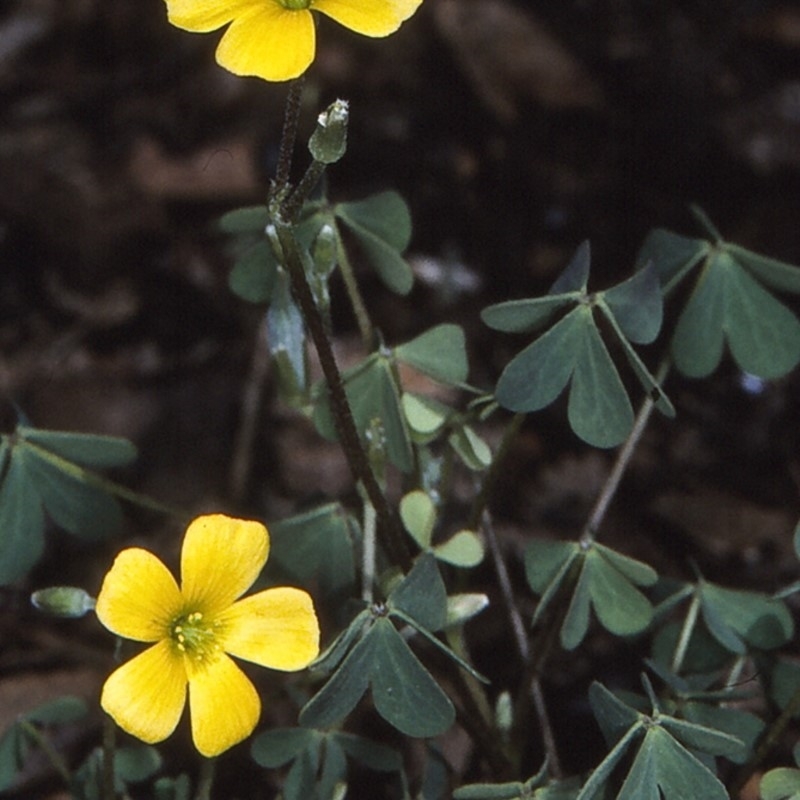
(63, 601)
(329, 140)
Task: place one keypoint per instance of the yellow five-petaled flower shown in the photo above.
(193, 627)
(275, 39)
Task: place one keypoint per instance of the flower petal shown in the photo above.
(221, 558)
(276, 628)
(146, 696)
(368, 17)
(139, 597)
(201, 16)
(223, 704)
(273, 43)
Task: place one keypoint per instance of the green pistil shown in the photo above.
(295, 5)
(195, 636)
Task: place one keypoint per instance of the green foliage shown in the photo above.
(52, 471)
(133, 764)
(371, 653)
(782, 783)
(375, 394)
(28, 731)
(316, 545)
(729, 302)
(463, 549)
(664, 766)
(591, 576)
(572, 350)
(382, 226)
(319, 759)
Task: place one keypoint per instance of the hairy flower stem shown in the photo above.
(294, 203)
(291, 117)
(624, 456)
(388, 529)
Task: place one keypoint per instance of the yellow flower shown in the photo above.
(274, 39)
(194, 627)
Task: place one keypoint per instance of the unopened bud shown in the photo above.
(329, 140)
(63, 601)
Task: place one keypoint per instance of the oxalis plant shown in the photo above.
(394, 572)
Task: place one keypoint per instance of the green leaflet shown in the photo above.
(49, 471)
(599, 578)
(572, 352)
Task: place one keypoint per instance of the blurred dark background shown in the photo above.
(514, 129)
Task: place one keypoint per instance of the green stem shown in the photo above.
(291, 208)
(43, 743)
(388, 529)
(492, 474)
(354, 295)
(98, 481)
(768, 742)
(368, 558)
(206, 779)
(109, 749)
(686, 634)
(523, 648)
(624, 456)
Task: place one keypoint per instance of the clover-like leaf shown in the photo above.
(600, 578)
(572, 351)
(373, 394)
(782, 783)
(665, 770)
(254, 273)
(728, 302)
(439, 352)
(672, 255)
(418, 514)
(49, 470)
(637, 305)
(403, 691)
(382, 225)
(316, 544)
(463, 549)
(422, 595)
(737, 619)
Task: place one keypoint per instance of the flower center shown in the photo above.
(295, 5)
(195, 636)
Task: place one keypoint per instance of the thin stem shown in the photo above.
(293, 204)
(53, 756)
(523, 647)
(291, 118)
(548, 737)
(109, 750)
(206, 779)
(498, 463)
(598, 514)
(517, 625)
(251, 404)
(388, 528)
(354, 295)
(368, 556)
(767, 743)
(686, 634)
